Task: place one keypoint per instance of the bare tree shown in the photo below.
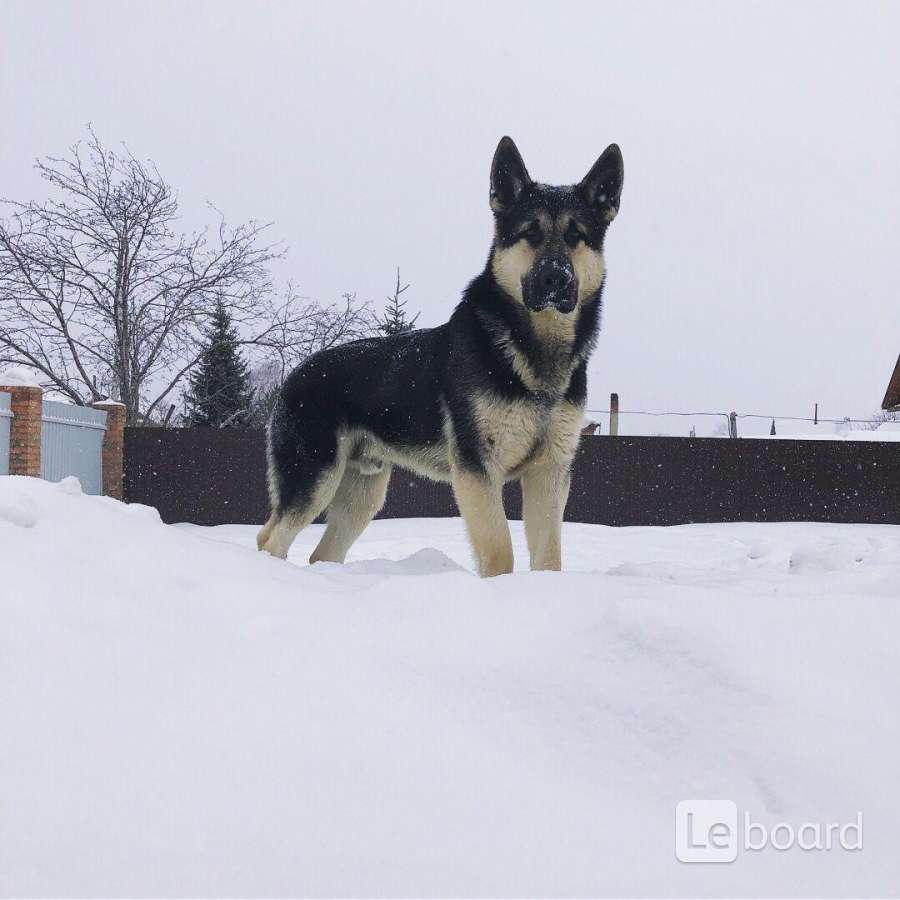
(102, 296)
(878, 419)
(313, 328)
(302, 326)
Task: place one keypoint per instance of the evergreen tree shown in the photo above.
(394, 320)
(220, 395)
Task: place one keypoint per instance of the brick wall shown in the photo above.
(25, 429)
(26, 405)
(113, 448)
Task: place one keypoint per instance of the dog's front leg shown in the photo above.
(545, 489)
(480, 500)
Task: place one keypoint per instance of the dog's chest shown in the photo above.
(516, 432)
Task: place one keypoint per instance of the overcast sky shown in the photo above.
(755, 264)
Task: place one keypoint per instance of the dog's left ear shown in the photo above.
(509, 177)
(602, 186)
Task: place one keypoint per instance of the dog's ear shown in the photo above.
(509, 177)
(602, 186)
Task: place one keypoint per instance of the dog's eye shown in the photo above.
(533, 234)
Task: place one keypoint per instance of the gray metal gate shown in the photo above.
(72, 444)
(5, 422)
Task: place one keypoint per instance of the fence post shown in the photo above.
(732, 425)
(25, 429)
(613, 415)
(113, 448)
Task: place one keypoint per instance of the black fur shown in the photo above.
(397, 387)
(400, 390)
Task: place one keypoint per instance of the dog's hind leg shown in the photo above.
(263, 536)
(286, 527)
(283, 526)
(358, 498)
(305, 464)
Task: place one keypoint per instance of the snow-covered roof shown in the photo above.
(887, 431)
(892, 395)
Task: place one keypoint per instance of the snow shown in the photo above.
(18, 376)
(182, 715)
(632, 424)
(886, 431)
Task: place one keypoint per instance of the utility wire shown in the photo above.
(644, 412)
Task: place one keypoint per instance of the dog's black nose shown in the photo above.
(551, 280)
(555, 277)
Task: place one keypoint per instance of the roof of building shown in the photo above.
(892, 396)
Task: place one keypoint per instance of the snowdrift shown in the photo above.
(184, 716)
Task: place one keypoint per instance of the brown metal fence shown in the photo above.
(211, 477)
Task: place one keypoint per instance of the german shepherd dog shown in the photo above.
(495, 394)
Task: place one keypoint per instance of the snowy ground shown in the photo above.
(182, 715)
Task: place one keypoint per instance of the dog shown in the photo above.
(495, 394)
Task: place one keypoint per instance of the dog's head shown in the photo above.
(548, 244)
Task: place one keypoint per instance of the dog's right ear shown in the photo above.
(509, 177)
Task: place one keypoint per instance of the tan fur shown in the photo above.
(554, 327)
(262, 538)
(277, 535)
(510, 264)
(271, 484)
(520, 439)
(562, 435)
(480, 501)
(528, 441)
(555, 330)
(358, 498)
(368, 454)
(590, 267)
(511, 432)
(521, 366)
(545, 489)
(431, 462)
(532, 439)
(279, 532)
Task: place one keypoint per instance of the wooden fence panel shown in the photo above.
(212, 477)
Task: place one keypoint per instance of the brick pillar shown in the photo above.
(26, 404)
(113, 448)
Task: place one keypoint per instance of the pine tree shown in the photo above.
(219, 395)
(394, 320)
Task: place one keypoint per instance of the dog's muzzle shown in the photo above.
(551, 283)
